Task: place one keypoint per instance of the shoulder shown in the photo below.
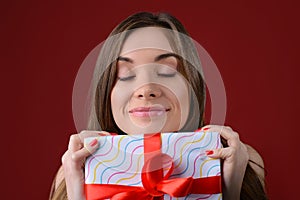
(256, 162)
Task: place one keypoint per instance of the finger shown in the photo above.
(227, 133)
(75, 143)
(217, 128)
(76, 140)
(85, 134)
(88, 149)
(221, 153)
(64, 157)
(210, 126)
(204, 128)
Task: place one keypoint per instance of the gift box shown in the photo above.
(154, 166)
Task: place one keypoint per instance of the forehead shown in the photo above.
(145, 38)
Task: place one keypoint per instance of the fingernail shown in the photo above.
(209, 152)
(93, 142)
(205, 129)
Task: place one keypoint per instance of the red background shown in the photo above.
(254, 44)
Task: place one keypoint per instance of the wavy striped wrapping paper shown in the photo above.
(119, 159)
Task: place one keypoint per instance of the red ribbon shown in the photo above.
(155, 184)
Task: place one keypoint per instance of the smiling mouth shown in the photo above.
(148, 111)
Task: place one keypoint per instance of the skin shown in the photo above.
(235, 158)
(161, 93)
(73, 162)
(150, 95)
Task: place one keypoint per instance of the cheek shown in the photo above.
(180, 97)
(119, 99)
(119, 103)
(179, 89)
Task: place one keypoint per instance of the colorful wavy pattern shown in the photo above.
(119, 159)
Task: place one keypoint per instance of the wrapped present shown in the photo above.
(154, 166)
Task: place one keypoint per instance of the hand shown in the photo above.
(235, 159)
(73, 162)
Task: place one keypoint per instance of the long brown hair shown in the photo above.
(101, 117)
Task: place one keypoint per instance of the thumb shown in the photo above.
(87, 150)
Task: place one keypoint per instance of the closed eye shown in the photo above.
(126, 78)
(166, 74)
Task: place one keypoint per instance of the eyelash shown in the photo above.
(166, 75)
(126, 78)
(159, 74)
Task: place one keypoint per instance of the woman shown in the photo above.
(173, 102)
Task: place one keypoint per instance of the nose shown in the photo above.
(147, 92)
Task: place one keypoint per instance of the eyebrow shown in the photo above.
(156, 59)
(166, 55)
(120, 58)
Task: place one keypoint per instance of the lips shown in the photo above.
(148, 111)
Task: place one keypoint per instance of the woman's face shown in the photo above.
(150, 95)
